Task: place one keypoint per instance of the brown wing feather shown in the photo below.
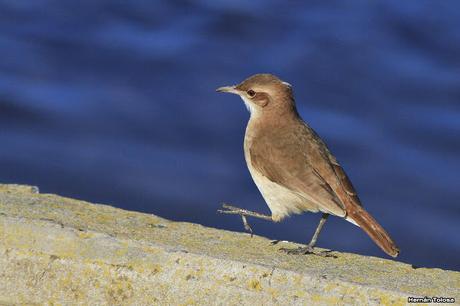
(340, 175)
(348, 196)
(303, 163)
(288, 162)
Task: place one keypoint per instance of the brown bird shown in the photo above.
(292, 167)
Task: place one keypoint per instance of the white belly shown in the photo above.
(281, 201)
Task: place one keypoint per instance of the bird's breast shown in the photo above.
(281, 200)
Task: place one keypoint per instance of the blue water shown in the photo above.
(114, 102)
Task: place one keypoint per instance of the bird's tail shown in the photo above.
(364, 220)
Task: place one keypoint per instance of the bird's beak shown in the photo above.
(228, 89)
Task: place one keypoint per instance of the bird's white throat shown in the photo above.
(250, 106)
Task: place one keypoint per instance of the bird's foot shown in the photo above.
(307, 250)
(298, 251)
(232, 210)
(247, 227)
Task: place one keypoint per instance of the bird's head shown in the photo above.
(263, 93)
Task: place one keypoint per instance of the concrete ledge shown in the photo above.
(55, 250)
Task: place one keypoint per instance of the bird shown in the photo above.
(292, 167)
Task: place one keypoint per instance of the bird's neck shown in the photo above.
(271, 122)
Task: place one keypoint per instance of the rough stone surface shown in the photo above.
(56, 250)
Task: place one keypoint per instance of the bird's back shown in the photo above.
(294, 170)
(280, 161)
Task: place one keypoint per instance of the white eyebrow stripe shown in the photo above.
(287, 84)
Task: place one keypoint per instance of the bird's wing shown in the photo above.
(298, 163)
(344, 190)
(341, 182)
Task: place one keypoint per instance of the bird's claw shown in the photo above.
(307, 250)
(228, 209)
(298, 251)
(247, 227)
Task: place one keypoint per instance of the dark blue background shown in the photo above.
(114, 102)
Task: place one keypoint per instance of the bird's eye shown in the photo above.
(251, 93)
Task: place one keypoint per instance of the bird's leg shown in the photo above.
(308, 249)
(232, 210)
(318, 230)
